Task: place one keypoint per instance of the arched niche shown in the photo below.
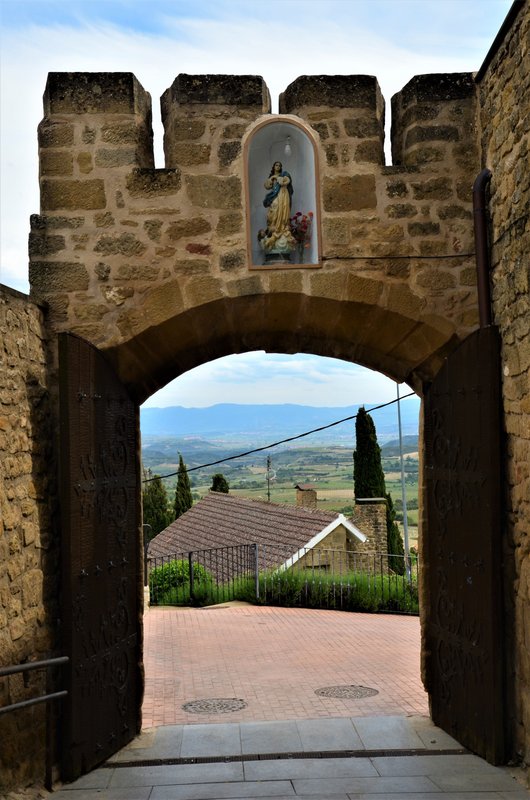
(282, 139)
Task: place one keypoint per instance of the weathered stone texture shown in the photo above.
(123, 249)
(26, 482)
(505, 132)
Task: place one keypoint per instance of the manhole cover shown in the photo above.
(346, 692)
(214, 705)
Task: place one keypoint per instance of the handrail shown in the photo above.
(33, 665)
(29, 665)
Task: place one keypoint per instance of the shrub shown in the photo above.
(169, 584)
(351, 592)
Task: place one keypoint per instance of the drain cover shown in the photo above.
(346, 692)
(214, 705)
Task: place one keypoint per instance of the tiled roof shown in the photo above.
(219, 520)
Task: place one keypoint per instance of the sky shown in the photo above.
(279, 40)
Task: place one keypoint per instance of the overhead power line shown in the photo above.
(282, 441)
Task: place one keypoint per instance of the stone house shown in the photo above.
(285, 534)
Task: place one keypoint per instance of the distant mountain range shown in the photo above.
(256, 423)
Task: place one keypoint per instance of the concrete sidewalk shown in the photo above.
(274, 659)
(368, 758)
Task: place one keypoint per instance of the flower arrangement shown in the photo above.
(301, 230)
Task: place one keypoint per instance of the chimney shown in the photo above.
(306, 495)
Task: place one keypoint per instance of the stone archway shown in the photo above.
(150, 266)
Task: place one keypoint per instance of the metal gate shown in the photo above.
(463, 637)
(101, 567)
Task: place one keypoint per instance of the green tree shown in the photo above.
(369, 481)
(368, 475)
(183, 498)
(219, 483)
(155, 504)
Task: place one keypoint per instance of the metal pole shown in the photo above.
(256, 569)
(146, 545)
(403, 492)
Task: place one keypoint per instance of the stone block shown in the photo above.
(349, 193)
(190, 154)
(120, 157)
(433, 189)
(85, 163)
(211, 191)
(95, 93)
(234, 131)
(56, 162)
(361, 127)
(105, 220)
(437, 88)
(229, 224)
(401, 210)
(233, 261)
(184, 228)
(337, 229)
(335, 91)
(120, 133)
(226, 90)
(423, 228)
(42, 245)
(68, 194)
(47, 277)
(192, 266)
(429, 133)
(153, 229)
(228, 152)
(454, 211)
(436, 280)
(39, 222)
(55, 134)
(137, 272)
(145, 182)
(187, 129)
(125, 244)
(199, 249)
(370, 152)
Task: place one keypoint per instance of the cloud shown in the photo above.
(156, 41)
(280, 40)
(258, 377)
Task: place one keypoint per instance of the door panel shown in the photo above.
(101, 558)
(463, 636)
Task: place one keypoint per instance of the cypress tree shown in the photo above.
(369, 481)
(183, 498)
(155, 505)
(368, 475)
(219, 483)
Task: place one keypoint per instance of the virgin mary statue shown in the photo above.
(277, 241)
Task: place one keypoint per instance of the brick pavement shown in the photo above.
(274, 659)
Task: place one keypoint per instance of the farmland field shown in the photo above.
(327, 467)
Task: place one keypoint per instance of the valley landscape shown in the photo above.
(324, 459)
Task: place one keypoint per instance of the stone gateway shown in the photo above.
(160, 270)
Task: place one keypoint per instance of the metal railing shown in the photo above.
(339, 579)
(27, 667)
(316, 578)
(202, 577)
(24, 669)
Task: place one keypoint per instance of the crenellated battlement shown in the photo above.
(121, 247)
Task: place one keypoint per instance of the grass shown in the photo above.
(350, 592)
(353, 591)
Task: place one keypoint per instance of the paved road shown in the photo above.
(274, 659)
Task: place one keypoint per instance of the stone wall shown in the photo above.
(26, 551)
(370, 517)
(151, 264)
(504, 86)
